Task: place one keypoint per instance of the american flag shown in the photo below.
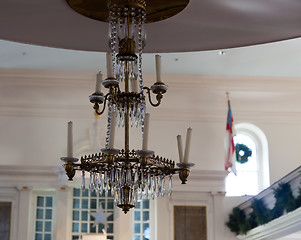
(229, 143)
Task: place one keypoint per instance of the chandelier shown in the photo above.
(126, 174)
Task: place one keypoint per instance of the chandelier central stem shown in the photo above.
(127, 117)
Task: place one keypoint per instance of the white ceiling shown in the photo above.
(274, 59)
(202, 25)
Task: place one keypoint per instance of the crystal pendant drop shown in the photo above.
(96, 183)
(117, 179)
(158, 189)
(99, 184)
(136, 179)
(112, 178)
(170, 185)
(105, 179)
(112, 191)
(122, 180)
(107, 190)
(101, 181)
(128, 176)
(153, 187)
(83, 186)
(91, 185)
(163, 186)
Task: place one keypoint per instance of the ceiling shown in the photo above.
(202, 25)
(275, 59)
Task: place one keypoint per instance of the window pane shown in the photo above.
(48, 226)
(75, 227)
(48, 214)
(146, 204)
(137, 215)
(111, 217)
(92, 229)
(110, 228)
(75, 215)
(75, 203)
(100, 228)
(110, 203)
(76, 192)
(38, 236)
(47, 236)
(40, 201)
(84, 215)
(85, 203)
(39, 226)
(145, 227)
(145, 215)
(39, 213)
(84, 228)
(85, 193)
(103, 204)
(137, 237)
(137, 228)
(48, 201)
(93, 204)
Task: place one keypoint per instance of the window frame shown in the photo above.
(11, 195)
(262, 154)
(45, 193)
(152, 220)
(98, 198)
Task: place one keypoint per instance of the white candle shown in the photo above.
(134, 84)
(158, 68)
(180, 147)
(146, 130)
(98, 82)
(109, 66)
(112, 130)
(70, 140)
(187, 145)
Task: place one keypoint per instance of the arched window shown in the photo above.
(252, 176)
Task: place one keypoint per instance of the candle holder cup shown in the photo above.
(144, 154)
(110, 83)
(110, 154)
(97, 98)
(69, 166)
(184, 170)
(159, 88)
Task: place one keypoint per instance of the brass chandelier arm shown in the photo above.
(96, 106)
(159, 96)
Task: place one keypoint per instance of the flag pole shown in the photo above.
(228, 98)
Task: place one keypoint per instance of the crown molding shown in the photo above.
(174, 81)
(28, 177)
(204, 96)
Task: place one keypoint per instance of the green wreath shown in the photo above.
(242, 153)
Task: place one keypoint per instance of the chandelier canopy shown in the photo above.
(126, 174)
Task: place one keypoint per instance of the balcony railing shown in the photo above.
(273, 213)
